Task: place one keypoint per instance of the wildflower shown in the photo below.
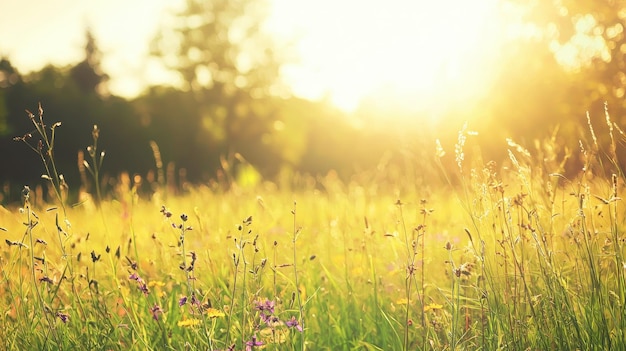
(156, 283)
(194, 300)
(131, 263)
(268, 318)
(253, 342)
(189, 322)
(165, 212)
(293, 323)
(464, 269)
(402, 301)
(432, 307)
(182, 301)
(156, 310)
(63, 317)
(267, 310)
(46, 279)
(214, 313)
(193, 261)
(266, 305)
(144, 288)
(141, 284)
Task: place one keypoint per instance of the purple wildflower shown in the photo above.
(266, 318)
(140, 282)
(195, 301)
(253, 342)
(266, 305)
(156, 310)
(144, 288)
(182, 301)
(269, 319)
(293, 323)
(63, 317)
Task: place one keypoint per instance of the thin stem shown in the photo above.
(296, 232)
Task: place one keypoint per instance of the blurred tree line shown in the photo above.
(229, 115)
(569, 62)
(229, 108)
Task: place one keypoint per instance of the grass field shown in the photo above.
(500, 257)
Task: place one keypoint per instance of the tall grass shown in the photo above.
(506, 257)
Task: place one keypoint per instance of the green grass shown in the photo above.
(510, 257)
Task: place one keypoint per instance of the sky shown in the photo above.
(347, 49)
(38, 32)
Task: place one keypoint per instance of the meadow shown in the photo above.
(512, 256)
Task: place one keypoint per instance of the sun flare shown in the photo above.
(409, 54)
(417, 50)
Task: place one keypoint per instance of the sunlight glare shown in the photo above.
(414, 53)
(349, 49)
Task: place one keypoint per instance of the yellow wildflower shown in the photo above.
(402, 301)
(189, 322)
(154, 283)
(432, 307)
(214, 313)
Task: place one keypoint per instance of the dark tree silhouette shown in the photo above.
(87, 74)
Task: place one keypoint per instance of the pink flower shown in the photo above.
(252, 343)
(293, 323)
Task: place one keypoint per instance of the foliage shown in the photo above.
(87, 74)
(228, 67)
(587, 39)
